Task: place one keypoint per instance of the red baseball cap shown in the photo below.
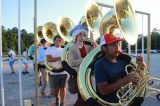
(108, 39)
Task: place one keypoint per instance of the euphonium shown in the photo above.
(128, 92)
(123, 17)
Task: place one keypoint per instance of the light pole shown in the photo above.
(1, 60)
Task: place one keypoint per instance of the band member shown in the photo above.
(41, 53)
(57, 79)
(25, 60)
(31, 53)
(12, 57)
(78, 51)
(109, 70)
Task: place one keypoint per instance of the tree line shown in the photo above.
(155, 38)
(10, 39)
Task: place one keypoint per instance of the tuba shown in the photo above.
(122, 17)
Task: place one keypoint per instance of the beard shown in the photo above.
(113, 55)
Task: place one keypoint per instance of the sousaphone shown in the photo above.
(39, 33)
(64, 27)
(93, 17)
(50, 31)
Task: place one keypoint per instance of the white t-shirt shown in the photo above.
(12, 55)
(55, 52)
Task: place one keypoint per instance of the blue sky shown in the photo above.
(51, 10)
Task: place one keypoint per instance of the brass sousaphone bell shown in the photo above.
(93, 17)
(64, 26)
(39, 33)
(122, 17)
(49, 31)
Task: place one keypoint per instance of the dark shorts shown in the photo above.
(11, 63)
(58, 81)
(30, 57)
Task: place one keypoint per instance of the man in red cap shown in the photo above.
(109, 70)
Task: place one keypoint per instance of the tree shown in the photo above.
(10, 39)
(4, 41)
(155, 38)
